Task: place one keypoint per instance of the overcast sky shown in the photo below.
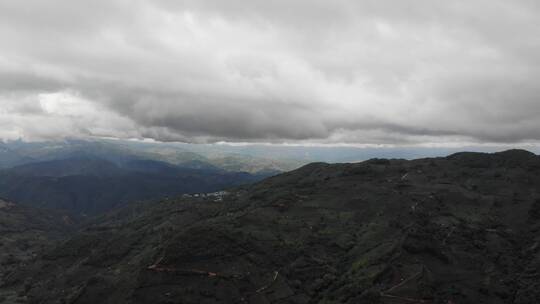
(294, 71)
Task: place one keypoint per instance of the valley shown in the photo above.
(90, 178)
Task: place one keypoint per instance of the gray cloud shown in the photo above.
(368, 72)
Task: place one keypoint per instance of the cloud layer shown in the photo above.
(367, 72)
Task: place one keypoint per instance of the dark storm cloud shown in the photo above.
(381, 72)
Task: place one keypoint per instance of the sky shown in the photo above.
(359, 72)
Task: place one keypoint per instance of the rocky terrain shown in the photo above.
(454, 230)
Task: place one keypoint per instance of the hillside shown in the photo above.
(454, 230)
(25, 233)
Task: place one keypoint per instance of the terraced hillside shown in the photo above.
(454, 230)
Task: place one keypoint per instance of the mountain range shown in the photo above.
(452, 230)
(92, 177)
(15, 153)
(90, 186)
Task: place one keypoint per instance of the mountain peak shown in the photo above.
(516, 154)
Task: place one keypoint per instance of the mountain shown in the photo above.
(246, 163)
(31, 152)
(25, 232)
(454, 230)
(66, 167)
(119, 152)
(90, 186)
(9, 158)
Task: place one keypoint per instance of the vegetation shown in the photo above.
(460, 229)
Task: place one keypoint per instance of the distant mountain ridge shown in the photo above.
(19, 153)
(92, 177)
(87, 166)
(90, 186)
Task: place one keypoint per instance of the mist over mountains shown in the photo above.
(89, 177)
